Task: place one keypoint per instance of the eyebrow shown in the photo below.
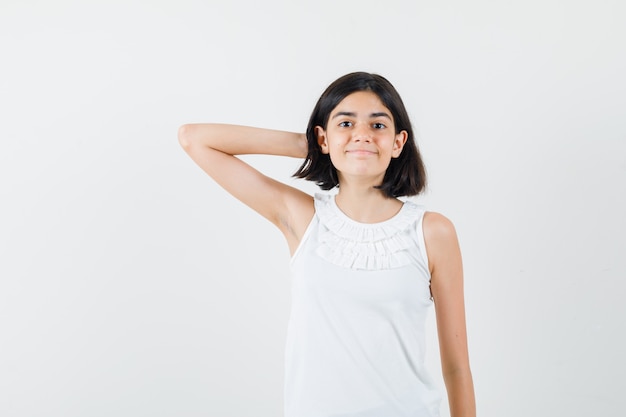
(352, 114)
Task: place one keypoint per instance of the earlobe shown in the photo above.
(399, 142)
(321, 139)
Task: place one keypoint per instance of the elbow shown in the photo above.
(185, 135)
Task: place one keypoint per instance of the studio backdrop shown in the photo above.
(132, 285)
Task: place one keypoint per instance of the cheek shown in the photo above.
(333, 145)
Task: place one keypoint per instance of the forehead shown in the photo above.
(361, 101)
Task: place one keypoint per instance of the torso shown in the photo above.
(360, 297)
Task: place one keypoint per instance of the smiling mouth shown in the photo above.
(360, 152)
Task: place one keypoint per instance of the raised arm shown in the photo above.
(444, 257)
(214, 146)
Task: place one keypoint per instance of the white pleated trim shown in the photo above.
(350, 244)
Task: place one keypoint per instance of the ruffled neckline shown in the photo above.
(370, 246)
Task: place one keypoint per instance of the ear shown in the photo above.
(321, 139)
(398, 143)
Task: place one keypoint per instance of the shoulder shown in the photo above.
(325, 208)
(322, 199)
(440, 237)
(438, 226)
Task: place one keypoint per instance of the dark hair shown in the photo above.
(406, 174)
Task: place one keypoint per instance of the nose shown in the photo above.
(361, 133)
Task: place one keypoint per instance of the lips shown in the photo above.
(360, 151)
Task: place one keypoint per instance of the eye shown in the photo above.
(379, 125)
(345, 123)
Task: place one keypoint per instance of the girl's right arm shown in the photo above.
(214, 146)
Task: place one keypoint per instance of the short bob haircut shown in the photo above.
(406, 174)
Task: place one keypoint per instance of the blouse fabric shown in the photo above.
(360, 297)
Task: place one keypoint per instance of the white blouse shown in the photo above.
(360, 297)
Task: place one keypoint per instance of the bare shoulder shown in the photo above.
(441, 240)
(438, 227)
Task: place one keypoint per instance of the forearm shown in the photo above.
(460, 387)
(240, 140)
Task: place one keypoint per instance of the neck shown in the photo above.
(366, 204)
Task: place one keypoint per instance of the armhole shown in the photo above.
(422, 242)
(305, 236)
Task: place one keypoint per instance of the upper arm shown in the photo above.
(285, 206)
(446, 267)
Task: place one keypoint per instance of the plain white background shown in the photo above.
(131, 285)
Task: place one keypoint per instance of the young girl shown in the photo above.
(366, 266)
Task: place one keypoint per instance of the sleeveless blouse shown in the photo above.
(360, 297)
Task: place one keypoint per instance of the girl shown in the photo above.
(366, 266)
